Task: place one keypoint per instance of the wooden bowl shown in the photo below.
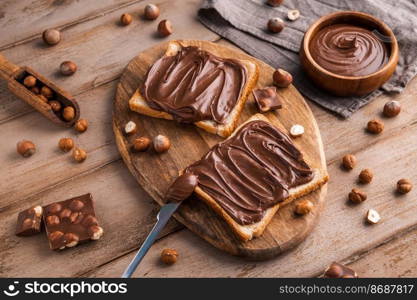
(349, 85)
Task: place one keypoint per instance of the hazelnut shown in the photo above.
(35, 90)
(334, 271)
(165, 28)
(151, 11)
(275, 2)
(27, 223)
(69, 113)
(275, 25)
(372, 216)
(131, 128)
(293, 14)
(68, 68)
(66, 144)
(392, 108)
(161, 143)
(141, 144)
(29, 81)
(365, 176)
(357, 196)
(76, 217)
(79, 155)
(282, 78)
(125, 19)
(303, 207)
(404, 186)
(169, 256)
(89, 221)
(54, 208)
(52, 220)
(51, 36)
(375, 126)
(81, 125)
(55, 105)
(95, 232)
(71, 239)
(296, 130)
(76, 205)
(56, 235)
(43, 98)
(349, 161)
(47, 92)
(65, 213)
(37, 210)
(26, 148)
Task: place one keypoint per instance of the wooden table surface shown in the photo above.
(101, 48)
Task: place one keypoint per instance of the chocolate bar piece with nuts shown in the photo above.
(267, 99)
(71, 222)
(29, 221)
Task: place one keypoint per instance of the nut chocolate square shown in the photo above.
(29, 221)
(71, 222)
(267, 99)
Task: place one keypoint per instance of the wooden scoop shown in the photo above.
(14, 75)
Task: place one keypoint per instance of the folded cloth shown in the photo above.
(243, 22)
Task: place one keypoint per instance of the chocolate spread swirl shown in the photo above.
(194, 85)
(181, 188)
(251, 171)
(348, 50)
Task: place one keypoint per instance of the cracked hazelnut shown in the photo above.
(293, 14)
(29, 81)
(125, 19)
(51, 36)
(130, 128)
(69, 113)
(68, 68)
(81, 125)
(52, 220)
(55, 105)
(161, 143)
(296, 130)
(37, 210)
(54, 208)
(76, 205)
(392, 109)
(89, 221)
(47, 92)
(349, 161)
(65, 213)
(375, 126)
(404, 186)
(303, 207)
(66, 144)
(56, 235)
(76, 217)
(141, 144)
(169, 256)
(365, 176)
(282, 78)
(95, 232)
(276, 25)
(35, 90)
(151, 12)
(26, 148)
(357, 196)
(79, 155)
(165, 28)
(71, 239)
(275, 2)
(372, 216)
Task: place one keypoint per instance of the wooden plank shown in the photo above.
(101, 48)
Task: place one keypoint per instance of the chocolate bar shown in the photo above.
(29, 221)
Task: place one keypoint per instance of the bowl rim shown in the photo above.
(308, 36)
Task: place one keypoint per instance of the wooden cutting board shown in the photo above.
(155, 172)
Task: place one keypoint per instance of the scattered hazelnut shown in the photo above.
(125, 19)
(55, 105)
(95, 232)
(76, 205)
(35, 90)
(337, 270)
(165, 28)
(275, 2)
(151, 11)
(54, 208)
(69, 113)
(43, 98)
(161, 143)
(68, 68)
(296, 130)
(26, 148)
(71, 239)
(169, 256)
(141, 144)
(349, 161)
(79, 155)
(89, 221)
(404, 186)
(375, 126)
(293, 14)
(303, 207)
(56, 235)
(392, 108)
(66, 144)
(81, 125)
(275, 25)
(65, 213)
(51, 36)
(47, 92)
(131, 128)
(357, 196)
(52, 220)
(282, 78)
(365, 176)
(29, 81)
(373, 217)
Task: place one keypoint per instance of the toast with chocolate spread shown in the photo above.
(250, 175)
(191, 85)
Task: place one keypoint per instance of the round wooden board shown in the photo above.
(155, 172)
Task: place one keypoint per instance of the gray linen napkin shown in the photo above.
(243, 22)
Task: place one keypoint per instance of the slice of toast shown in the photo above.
(139, 104)
(247, 232)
